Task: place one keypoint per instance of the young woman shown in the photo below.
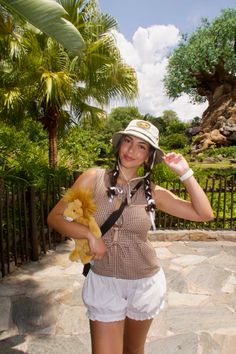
(125, 287)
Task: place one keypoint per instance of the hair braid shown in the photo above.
(147, 188)
(114, 173)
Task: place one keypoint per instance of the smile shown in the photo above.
(128, 158)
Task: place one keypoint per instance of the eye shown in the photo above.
(143, 147)
(127, 139)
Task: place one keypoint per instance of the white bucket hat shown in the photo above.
(143, 130)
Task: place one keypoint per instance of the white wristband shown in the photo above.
(186, 175)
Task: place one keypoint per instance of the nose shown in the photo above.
(131, 147)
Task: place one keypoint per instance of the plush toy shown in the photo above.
(81, 208)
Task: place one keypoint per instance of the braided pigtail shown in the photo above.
(151, 206)
(112, 190)
(114, 174)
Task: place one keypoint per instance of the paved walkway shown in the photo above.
(41, 311)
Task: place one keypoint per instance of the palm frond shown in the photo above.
(48, 16)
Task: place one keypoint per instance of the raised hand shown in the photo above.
(176, 162)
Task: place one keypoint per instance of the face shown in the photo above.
(133, 151)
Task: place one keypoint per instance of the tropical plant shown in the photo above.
(49, 17)
(58, 88)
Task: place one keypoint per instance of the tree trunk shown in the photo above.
(220, 89)
(52, 135)
(221, 111)
(218, 124)
(50, 123)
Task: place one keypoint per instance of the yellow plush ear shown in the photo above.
(70, 195)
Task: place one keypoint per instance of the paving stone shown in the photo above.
(15, 344)
(182, 344)
(34, 315)
(5, 311)
(58, 345)
(175, 281)
(195, 319)
(72, 321)
(188, 260)
(180, 299)
(42, 311)
(207, 278)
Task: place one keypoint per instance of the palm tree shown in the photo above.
(49, 17)
(65, 88)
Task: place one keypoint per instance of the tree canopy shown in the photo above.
(205, 60)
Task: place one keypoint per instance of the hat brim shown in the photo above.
(159, 153)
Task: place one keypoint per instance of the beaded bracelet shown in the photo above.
(186, 175)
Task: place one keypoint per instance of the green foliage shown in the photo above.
(81, 149)
(174, 141)
(224, 151)
(48, 17)
(46, 78)
(161, 173)
(23, 150)
(168, 116)
(209, 46)
(172, 131)
(120, 117)
(23, 157)
(221, 165)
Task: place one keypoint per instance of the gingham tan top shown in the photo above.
(130, 255)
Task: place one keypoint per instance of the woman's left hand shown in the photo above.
(176, 162)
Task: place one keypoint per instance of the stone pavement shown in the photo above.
(41, 311)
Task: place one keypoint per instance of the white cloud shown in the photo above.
(147, 53)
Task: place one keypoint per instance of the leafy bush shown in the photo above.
(224, 151)
(22, 159)
(81, 149)
(174, 141)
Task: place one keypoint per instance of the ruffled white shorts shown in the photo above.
(110, 299)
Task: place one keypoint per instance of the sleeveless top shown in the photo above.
(130, 255)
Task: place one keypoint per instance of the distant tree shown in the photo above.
(169, 115)
(120, 117)
(195, 121)
(204, 67)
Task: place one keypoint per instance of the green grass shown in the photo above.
(216, 165)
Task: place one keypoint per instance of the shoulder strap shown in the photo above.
(111, 221)
(116, 214)
(112, 218)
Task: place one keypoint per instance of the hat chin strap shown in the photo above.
(153, 159)
(133, 179)
(150, 201)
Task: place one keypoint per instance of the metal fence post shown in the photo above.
(33, 224)
(76, 174)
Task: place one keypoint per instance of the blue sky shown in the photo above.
(147, 33)
(184, 14)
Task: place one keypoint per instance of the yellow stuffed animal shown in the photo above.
(81, 208)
